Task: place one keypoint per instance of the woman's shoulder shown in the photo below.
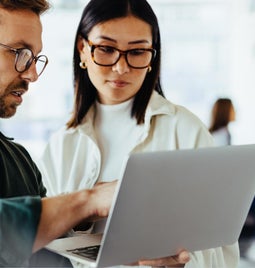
(63, 132)
(188, 127)
(178, 112)
(61, 136)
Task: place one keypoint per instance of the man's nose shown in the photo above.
(30, 74)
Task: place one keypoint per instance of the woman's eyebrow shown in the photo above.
(106, 38)
(142, 41)
(139, 42)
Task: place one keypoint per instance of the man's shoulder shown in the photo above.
(9, 145)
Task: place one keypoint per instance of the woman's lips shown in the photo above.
(118, 83)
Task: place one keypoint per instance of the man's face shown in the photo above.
(18, 29)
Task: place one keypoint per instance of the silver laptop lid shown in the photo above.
(192, 199)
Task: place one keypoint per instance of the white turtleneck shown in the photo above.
(116, 134)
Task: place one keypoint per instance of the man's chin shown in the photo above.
(7, 114)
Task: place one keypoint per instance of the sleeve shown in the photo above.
(51, 166)
(222, 257)
(48, 164)
(19, 219)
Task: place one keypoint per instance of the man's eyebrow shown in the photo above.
(23, 44)
(20, 44)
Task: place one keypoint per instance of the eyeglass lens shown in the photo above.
(25, 58)
(137, 58)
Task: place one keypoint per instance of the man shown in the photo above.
(27, 221)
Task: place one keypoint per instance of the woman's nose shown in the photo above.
(121, 66)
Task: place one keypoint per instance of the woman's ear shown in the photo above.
(80, 44)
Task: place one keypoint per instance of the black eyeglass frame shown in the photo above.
(121, 52)
(29, 63)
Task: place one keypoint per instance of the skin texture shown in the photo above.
(117, 83)
(17, 29)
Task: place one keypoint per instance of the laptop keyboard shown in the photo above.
(87, 252)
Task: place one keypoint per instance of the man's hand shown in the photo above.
(100, 199)
(61, 213)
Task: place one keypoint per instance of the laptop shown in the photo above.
(169, 200)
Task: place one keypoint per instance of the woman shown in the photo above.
(223, 113)
(120, 109)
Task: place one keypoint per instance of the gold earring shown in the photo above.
(149, 69)
(83, 65)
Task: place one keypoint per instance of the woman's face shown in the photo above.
(120, 82)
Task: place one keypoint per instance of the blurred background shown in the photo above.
(208, 53)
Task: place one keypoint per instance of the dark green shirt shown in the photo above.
(19, 176)
(19, 218)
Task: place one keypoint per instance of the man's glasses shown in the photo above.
(24, 59)
(138, 58)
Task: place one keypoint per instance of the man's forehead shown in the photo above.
(20, 26)
(21, 13)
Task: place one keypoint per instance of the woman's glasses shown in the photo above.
(138, 58)
(25, 57)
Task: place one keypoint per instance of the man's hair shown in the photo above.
(37, 6)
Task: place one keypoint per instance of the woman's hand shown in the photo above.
(178, 260)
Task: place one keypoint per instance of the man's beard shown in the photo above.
(7, 111)
(17, 86)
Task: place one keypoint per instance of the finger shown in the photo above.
(174, 261)
(183, 257)
(169, 261)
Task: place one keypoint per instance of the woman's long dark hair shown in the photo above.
(99, 11)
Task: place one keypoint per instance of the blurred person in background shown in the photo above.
(223, 112)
